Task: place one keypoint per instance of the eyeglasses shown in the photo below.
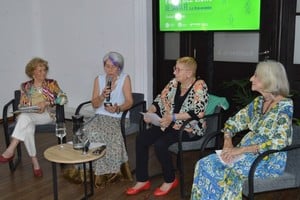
(178, 70)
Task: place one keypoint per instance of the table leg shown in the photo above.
(91, 178)
(86, 194)
(54, 177)
(84, 181)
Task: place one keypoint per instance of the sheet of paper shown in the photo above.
(237, 158)
(27, 109)
(154, 118)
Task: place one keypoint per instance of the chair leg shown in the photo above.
(181, 174)
(14, 163)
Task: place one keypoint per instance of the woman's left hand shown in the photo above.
(111, 109)
(166, 120)
(230, 153)
(42, 106)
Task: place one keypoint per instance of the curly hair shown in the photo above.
(33, 63)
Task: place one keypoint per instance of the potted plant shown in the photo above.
(242, 94)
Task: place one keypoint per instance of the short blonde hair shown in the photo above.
(189, 62)
(33, 63)
(273, 76)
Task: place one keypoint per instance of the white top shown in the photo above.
(116, 96)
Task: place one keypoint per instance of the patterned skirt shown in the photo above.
(114, 165)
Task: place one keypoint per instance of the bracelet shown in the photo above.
(227, 135)
(173, 117)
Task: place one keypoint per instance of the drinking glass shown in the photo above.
(60, 132)
(84, 140)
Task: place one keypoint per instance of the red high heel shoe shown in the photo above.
(5, 160)
(132, 191)
(37, 172)
(158, 192)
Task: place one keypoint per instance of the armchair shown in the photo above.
(290, 177)
(9, 125)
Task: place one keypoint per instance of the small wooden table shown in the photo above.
(68, 155)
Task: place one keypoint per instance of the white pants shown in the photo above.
(25, 129)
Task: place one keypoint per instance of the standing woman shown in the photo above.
(105, 127)
(183, 97)
(41, 92)
(269, 121)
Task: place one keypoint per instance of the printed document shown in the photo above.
(154, 118)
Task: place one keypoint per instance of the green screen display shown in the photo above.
(209, 15)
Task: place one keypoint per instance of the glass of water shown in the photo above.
(60, 131)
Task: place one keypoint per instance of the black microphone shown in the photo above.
(108, 86)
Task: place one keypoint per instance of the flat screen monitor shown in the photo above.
(209, 15)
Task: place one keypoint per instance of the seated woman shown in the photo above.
(269, 121)
(41, 92)
(184, 97)
(112, 94)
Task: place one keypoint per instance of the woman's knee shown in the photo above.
(24, 118)
(160, 145)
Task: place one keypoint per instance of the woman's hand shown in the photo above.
(166, 120)
(147, 120)
(43, 105)
(106, 92)
(111, 108)
(228, 154)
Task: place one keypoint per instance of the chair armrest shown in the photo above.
(5, 119)
(123, 117)
(80, 106)
(257, 161)
(207, 137)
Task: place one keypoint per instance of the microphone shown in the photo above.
(108, 86)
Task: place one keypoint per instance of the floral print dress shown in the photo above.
(272, 130)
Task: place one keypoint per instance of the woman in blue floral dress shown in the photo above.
(269, 121)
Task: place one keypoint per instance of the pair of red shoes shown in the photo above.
(157, 192)
(36, 172)
(5, 160)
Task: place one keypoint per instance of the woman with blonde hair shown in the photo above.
(184, 97)
(44, 93)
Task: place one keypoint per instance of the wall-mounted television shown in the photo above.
(209, 15)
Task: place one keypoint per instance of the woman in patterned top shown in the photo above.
(269, 121)
(43, 93)
(183, 97)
